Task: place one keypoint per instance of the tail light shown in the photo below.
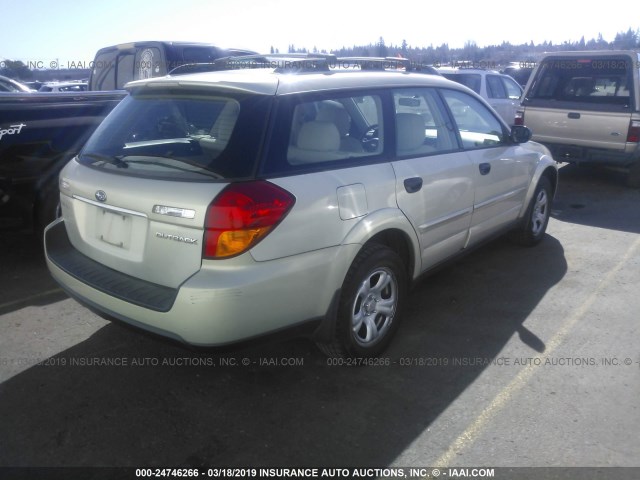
(633, 135)
(242, 215)
(519, 118)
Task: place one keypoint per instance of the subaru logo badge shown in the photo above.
(101, 196)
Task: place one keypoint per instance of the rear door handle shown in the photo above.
(413, 184)
(574, 115)
(484, 168)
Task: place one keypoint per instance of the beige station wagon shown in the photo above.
(218, 207)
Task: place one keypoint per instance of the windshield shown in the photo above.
(189, 136)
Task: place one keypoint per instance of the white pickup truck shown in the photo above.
(585, 107)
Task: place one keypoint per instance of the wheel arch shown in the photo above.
(546, 168)
(391, 228)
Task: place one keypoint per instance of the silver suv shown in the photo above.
(218, 207)
(500, 91)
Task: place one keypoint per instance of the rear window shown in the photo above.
(180, 136)
(596, 82)
(471, 80)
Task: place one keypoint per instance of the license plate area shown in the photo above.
(114, 228)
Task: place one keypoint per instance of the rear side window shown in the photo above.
(326, 132)
(605, 81)
(148, 64)
(175, 135)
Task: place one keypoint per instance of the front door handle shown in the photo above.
(413, 184)
(485, 168)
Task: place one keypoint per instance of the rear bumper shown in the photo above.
(218, 305)
(601, 156)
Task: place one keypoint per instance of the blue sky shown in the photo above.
(37, 30)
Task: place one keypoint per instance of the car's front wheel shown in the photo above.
(370, 304)
(534, 224)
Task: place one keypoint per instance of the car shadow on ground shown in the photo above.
(175, 407)
(597, 197)
(24, 278)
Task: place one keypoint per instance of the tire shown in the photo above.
(534, 225)
(370, 305)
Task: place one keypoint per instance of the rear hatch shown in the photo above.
(581, 100)
(136, 198)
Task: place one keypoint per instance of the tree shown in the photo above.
(381, 48)
(627, 40)
(16, 69)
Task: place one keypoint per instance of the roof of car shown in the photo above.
(271, 82)
(444, 70)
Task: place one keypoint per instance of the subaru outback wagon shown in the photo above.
(217, 207)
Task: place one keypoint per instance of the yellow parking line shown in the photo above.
(31, 298)
(472, 432)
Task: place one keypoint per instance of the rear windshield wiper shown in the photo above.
(114, 160)
(154, 160)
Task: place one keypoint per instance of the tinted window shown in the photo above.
(148, 64)
(477, 126)
(180, 136)
(125, 69)
(420, 123)
(200, 54)
(520, 75)
(585, 80)
(471, 80)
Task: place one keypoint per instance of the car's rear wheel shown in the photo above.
(534, 225)
(370, 304)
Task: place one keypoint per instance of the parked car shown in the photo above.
(519, 71)
(13, 86)
(501, 91)
(115, 66)
(213, 208)
(48, 129)
(34, 85)
(585, 107)
(64, 87)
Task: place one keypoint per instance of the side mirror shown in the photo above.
(520, 134)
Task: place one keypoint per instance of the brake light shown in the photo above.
(633, 135)
(242, 215)
(519, 118)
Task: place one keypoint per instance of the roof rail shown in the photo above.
(305, 63)
(374, 63)
(385, 63)
(282, 63)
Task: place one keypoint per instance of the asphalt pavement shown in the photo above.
(509, 357)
